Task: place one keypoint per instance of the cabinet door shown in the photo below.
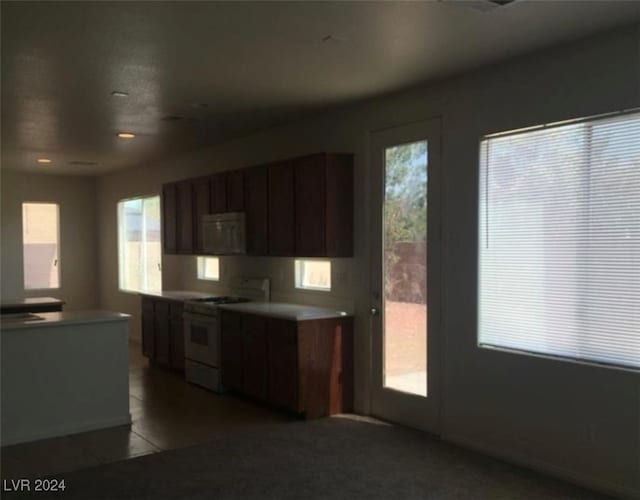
(176, 332)
(147, 328)
(281, 209)
(282, 355)
(185, 217)
(169, 218)
(235, 191)
(256, 208)
(231, 350)
(218, 193)
(254, 345)
(176, 336)
(201, 206)
(161, 332)
(310, 205)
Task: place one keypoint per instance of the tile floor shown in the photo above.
(166, 413)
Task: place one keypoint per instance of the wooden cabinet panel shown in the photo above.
(339, 206)
(282, 354)
(301, 207)
(254, 345)
(281, 209)
(201, 206)
(185, 217)
(163, 332)
(176, 332)
(218, 193)
(161, 339)
(148, 333)
(310, 228)
(169, 218)
(231, 351)
(256, 209)
(176, 335)
(235, 191)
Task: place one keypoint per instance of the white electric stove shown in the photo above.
(202, 330)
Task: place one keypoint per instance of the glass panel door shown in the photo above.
(405, 268)
(405, 263)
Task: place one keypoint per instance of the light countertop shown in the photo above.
(31, 301)
(177, 295)
(293, 312)
(49, 319)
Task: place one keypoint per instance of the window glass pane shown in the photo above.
(560, 241)
(140, 250)
(313, 274)
(41, 248)
(209, 268)
(405, 268)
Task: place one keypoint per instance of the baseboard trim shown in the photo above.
(65, 430)
(544, 467)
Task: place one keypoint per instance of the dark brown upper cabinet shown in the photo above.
(255, 208)
(281, 209)
(201, 206)
(218, 193)
(185, 217)
(301, 207)
(235, 191)
(169, 218)
(324, 205)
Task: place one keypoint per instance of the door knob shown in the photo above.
(374, 311)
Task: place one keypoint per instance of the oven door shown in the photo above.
(201, 339)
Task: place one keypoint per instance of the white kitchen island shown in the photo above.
(63, 373)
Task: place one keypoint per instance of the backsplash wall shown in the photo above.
(280, 270)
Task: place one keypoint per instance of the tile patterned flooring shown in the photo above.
(166, 411)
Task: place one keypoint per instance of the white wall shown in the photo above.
(530, 409)
(78, 235)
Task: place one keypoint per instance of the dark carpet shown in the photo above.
(323, 459)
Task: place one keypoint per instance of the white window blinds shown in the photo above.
(559, 241)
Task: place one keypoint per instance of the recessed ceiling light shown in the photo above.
(43, 160)
(126, 135)
(118, 93)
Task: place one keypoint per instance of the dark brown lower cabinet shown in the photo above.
(282, 347)
(163, 332)
(148, 328)
(305, 367)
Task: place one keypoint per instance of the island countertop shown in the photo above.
(293, 312)
(180, 295)
(50, 319)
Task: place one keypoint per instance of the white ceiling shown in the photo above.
(229, 68)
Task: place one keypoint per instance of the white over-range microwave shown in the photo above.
(224, 234)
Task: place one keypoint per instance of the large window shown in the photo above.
(559, 240)
(139, 246)
(41, 245)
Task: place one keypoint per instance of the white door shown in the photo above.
(405, 274)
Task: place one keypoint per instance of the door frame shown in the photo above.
(389, 404)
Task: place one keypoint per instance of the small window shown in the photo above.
(41, 245)
(209, 268)
(313, 274)
(139, 245)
